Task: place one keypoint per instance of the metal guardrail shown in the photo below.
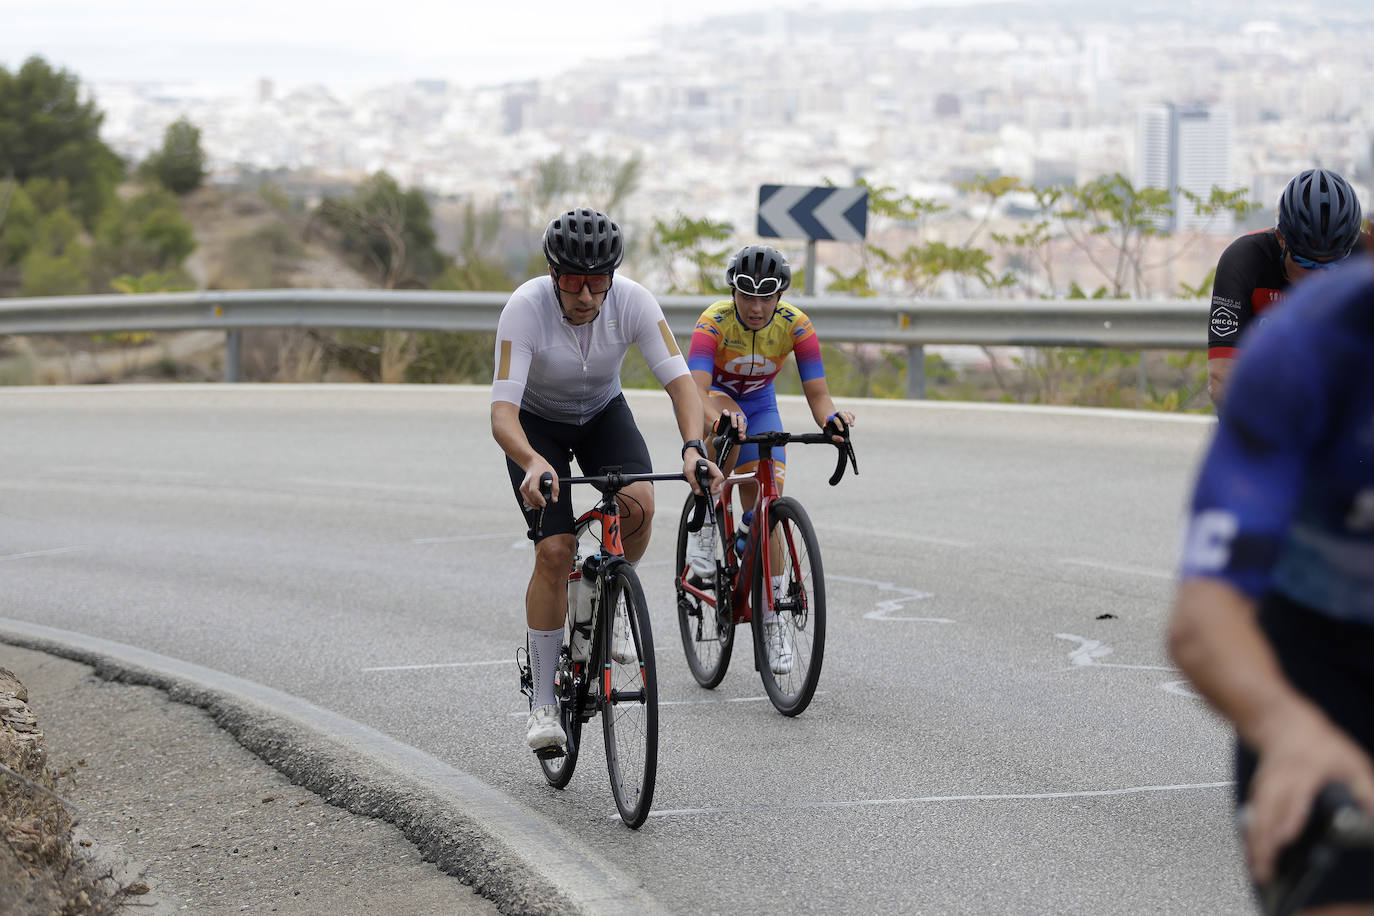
(1173, 324)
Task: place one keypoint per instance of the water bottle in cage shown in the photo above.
(581, 597)
(742, 535)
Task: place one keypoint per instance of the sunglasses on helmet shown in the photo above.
(751, 287)
(1310, 264)
(573, 283)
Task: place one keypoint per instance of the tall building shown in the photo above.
(1187, 147)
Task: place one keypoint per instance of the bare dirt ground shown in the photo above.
(174, 815)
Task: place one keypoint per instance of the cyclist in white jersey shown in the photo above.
(560, 343)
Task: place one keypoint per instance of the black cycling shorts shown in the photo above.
(1332, 663)
(609, 439)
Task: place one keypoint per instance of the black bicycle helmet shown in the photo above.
(583, 242)
(753, 266)
(1319, 216)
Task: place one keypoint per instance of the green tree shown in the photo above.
(604, 181)
(147, 233)
(180, 165)
(46, 131)
(476, 266)
(696, 241)
(57, 262)
(390, 231)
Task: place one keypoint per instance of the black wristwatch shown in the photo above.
(693, 443)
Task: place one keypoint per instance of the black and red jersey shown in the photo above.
(1249, 279)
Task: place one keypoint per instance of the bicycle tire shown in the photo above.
(801, 611)
(708, 633)
(629, 698)
(559, 770)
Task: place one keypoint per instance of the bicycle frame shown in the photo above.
(740, 568)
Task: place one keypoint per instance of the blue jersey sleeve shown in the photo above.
(1253, 475)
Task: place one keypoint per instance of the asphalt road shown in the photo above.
(998, 727)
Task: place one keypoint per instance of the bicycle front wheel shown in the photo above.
(789, 643)
(706, 623)
(629, 695)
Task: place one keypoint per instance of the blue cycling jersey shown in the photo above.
(1285, 497)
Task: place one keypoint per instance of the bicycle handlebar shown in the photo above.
(1335, 822)
(610, 482)
(726, 439)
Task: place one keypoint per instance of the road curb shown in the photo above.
(502, 849)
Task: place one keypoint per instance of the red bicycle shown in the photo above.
(771, 580)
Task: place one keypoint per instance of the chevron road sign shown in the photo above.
(788, 211)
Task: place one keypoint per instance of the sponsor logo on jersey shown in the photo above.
(1224, 322)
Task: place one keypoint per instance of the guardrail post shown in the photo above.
(915, 371)
(233, 361)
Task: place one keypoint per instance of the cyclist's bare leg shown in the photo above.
(637, 512)
(546, 599)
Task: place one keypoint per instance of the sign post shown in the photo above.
(788, 211)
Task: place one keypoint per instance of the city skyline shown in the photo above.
(349, 43)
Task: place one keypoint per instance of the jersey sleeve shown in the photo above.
(514, 350)
(1232, 306)
(701, 355)
(806, 346)
(649, 329)
(1252, 477)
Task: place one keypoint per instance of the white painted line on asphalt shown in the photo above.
(107, 471)
(1120, 567)
(361, 486)
(1090, 650)
(895, 535)
(41, 553)
(1183, 688)
(885, 609)
(923, 799)
(454, 539)
(764, 699)
(504, 661)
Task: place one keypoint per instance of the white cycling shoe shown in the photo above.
(701, 553)
(623, 642)
(544, 729)
(777, 639)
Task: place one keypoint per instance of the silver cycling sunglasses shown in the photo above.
(751, 287)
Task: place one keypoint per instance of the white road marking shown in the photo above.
(885, 609)
(923, 799)
(1090, 650)
(457, 538)
(896, 535)
(1183, 688)
(41, 553)
(1120, 567)
(764, 699)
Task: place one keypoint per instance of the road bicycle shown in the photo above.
(788, 615)
(1336, 823)
(624, 692)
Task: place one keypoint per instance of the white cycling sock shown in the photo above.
(544, 648)
(779, 589)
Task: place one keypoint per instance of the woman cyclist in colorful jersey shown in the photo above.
(738, 348)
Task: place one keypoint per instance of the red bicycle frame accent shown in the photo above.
(761, 539)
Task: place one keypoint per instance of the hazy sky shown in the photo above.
(347, 41)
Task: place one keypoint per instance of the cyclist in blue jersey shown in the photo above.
(1274, 618)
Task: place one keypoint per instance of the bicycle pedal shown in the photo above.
(552, 752)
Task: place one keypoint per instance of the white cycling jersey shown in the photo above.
(568, 373)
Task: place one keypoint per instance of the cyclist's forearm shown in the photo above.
(1216, 640)
(510, 435)
(1218, 373)
(818, 399)
(687, 406)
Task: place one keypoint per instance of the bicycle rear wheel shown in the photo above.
(790, 677)
(558, 770)
(629, 697)
(707, 624)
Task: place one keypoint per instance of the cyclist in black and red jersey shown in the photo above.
(1318, 225)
